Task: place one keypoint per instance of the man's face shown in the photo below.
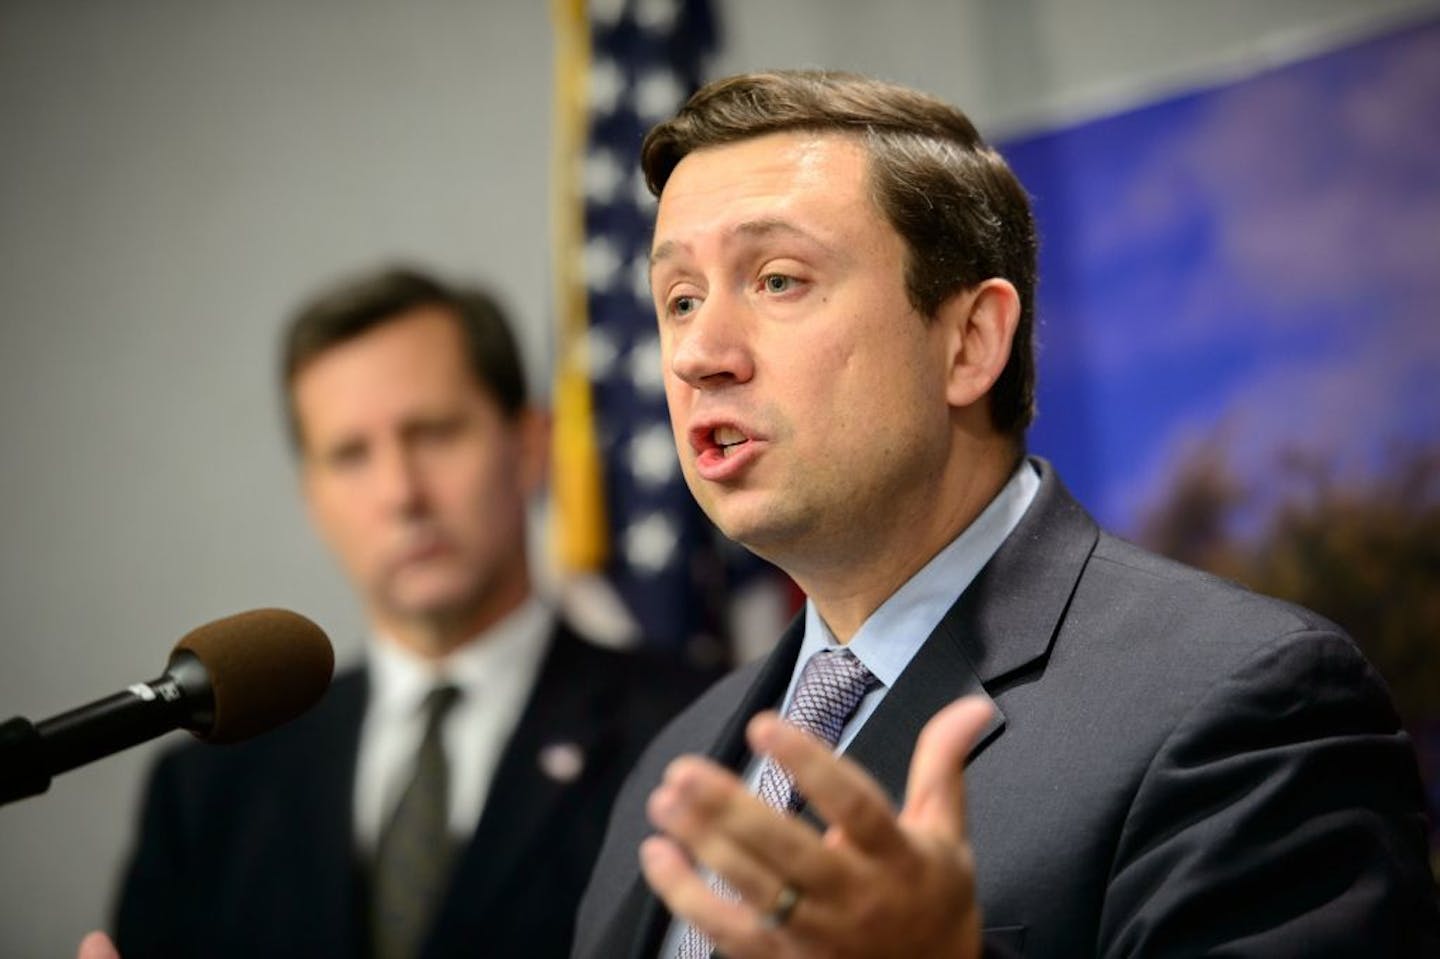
(806, 395)
(412, 473)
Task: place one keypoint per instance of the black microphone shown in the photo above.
(226, 681)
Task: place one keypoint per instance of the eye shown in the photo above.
(684, 305)
(777, 283)
(346, 457)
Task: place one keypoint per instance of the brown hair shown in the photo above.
(361, 303)
(960, 210)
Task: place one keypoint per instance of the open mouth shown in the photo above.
(727, 439)
(723, 451)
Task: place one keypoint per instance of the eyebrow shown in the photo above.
(748, 229)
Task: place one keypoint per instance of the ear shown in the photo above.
(532, 427)
(980, 326)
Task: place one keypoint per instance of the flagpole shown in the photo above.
(578, 515)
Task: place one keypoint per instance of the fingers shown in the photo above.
(711, 814)
(687, 893)
(737, 929)
(97, 945)
(842, 793)
(873, 875)
(935, 793)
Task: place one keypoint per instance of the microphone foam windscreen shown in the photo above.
(266, 667)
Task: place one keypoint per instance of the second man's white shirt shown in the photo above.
(495, 674)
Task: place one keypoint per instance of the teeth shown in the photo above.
(728, 436)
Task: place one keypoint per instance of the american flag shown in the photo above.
(665, 561)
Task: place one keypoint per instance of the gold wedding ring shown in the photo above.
(781, 909)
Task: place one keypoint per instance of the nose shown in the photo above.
(711, 348)
(399, 484)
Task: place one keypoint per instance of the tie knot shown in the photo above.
(831, 686)
(437, 704)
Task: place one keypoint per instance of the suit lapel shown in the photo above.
(1003, 624)
(730, 748)
(937, 675)
(562, 715)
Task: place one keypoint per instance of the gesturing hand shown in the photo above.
(873, 884)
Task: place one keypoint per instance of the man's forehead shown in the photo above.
(750, 189)
(801, 155)
(745, 230)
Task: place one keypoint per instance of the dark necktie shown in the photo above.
(830, 689)
(413, 856)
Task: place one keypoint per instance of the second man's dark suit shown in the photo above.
(1176, 767)
(248, 851)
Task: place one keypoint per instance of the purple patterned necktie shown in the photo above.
(830, 689)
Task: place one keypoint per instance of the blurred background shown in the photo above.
(1240, 364)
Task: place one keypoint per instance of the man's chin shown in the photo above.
(430, 602)
(765, 533)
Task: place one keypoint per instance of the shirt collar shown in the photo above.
(399, 679)
(894, 633)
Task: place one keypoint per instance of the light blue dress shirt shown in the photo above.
(894, 633)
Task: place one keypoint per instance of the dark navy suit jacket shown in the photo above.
(1176, 767)
(248, 850)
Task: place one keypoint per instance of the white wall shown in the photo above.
(175, 175)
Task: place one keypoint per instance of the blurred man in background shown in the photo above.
(449, 797)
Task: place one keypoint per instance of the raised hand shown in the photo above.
(875, 883)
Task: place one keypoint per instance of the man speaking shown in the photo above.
(1155, 762)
